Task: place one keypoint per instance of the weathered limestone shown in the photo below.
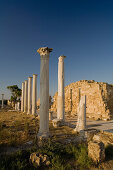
(99, 99)
(26, 96)
(29, 95)
(96, 151)
(44, 91)
(60, 98)
(81, 122)
(2, 101)
(22, 97)
(34, 94)
(70, 100)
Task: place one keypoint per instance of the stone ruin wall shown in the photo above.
(99, 99)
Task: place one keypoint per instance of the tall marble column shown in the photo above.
(81, 121)
(22, 97)
(34, 94)
(2, 101)
(26, 96)
(60, 98)
(29, 95)
(44, 91)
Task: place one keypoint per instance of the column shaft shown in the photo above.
(26, 97)
(29, 95)
(22, 97)
(81, 121)
(44, 91)
(34, 94)
(60, 100)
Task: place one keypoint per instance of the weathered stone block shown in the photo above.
(96, 151)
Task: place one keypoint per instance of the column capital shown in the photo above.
(35, 74)
(61, 58)
(44, 51)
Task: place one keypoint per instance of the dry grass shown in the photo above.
(17, 128)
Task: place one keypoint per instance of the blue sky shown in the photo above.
(80, 29)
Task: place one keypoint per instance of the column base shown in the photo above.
(79, 130)
(58, 122)
(29, 113)
(43, 135)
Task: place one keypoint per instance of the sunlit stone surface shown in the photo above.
(44, 91)
(22, 97)
(81, 122)
(60, 99)
(26, 96)
(34, 94)
(29, 95)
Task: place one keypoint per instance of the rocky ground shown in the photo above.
(19, 131)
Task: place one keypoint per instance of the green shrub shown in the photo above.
(62, 157)
(109, 152)
(83, 160)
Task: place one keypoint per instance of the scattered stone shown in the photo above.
(106, 138)
(29, 142)
(89, 133)
(39, 159)
(96, 151)
(58, 123)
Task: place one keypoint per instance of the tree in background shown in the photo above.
(50, 102)
(16, 93)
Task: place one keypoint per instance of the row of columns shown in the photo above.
(29, 95)
(44, 92)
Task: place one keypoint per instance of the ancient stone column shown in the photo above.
(81, 121)
(29, 95)
(18, 106)
(22, 97)
(2, 101)
(44, 91)
(60, 99)
(26, 96)
(34, 94)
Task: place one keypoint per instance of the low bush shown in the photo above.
(109, 152)
(62, 157)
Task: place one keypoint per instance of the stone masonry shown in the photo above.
(99, 99)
